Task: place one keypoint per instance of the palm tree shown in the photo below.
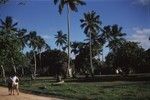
(33, 43)
(97, 42)
(37, 43)
(71, 4)
(41, 45)
(113, 35)
(106, 36)
(8, 27)
(23, 40)
(91, 25)
(61, 39)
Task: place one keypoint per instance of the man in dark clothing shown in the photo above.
(9, 84)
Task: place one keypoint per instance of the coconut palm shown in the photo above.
(91, 25)
(23, 40)
(61, 39)
(97, 42)
(113, 35)
(33, 43)
(8, 27)
(37, 43)
(41, 45)
(71, 4)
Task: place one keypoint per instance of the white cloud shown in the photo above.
(141, 36)
(46, 37)
(142, 2)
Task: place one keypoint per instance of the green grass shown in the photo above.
(91, 90)
(79, 90)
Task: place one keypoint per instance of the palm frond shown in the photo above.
(72, 6)
(81, 20)
(15, 24)
(2, 22)
(55, 2)
(83, 25)
(86, 30)
(81, 2)
(61, 6)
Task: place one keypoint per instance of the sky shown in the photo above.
(42, 16)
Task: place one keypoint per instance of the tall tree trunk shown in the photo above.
(40, 63)
(91, 63)
(22, 71)
(34, 64)
(14, 67)
(60, 48)
(102, 55)
(3, 73)
(68, 24)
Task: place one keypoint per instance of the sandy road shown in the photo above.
(22, 96)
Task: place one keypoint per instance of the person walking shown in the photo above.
(15, 84)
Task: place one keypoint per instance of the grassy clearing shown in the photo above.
(91, 90)
(78, 89)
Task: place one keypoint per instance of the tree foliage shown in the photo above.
(91, 25)
(61, 39)
(13, 41)
(129, 57)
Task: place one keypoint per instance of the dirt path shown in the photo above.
(22, 96)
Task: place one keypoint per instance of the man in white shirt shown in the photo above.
(15, 84)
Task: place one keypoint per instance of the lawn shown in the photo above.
(117, 90)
